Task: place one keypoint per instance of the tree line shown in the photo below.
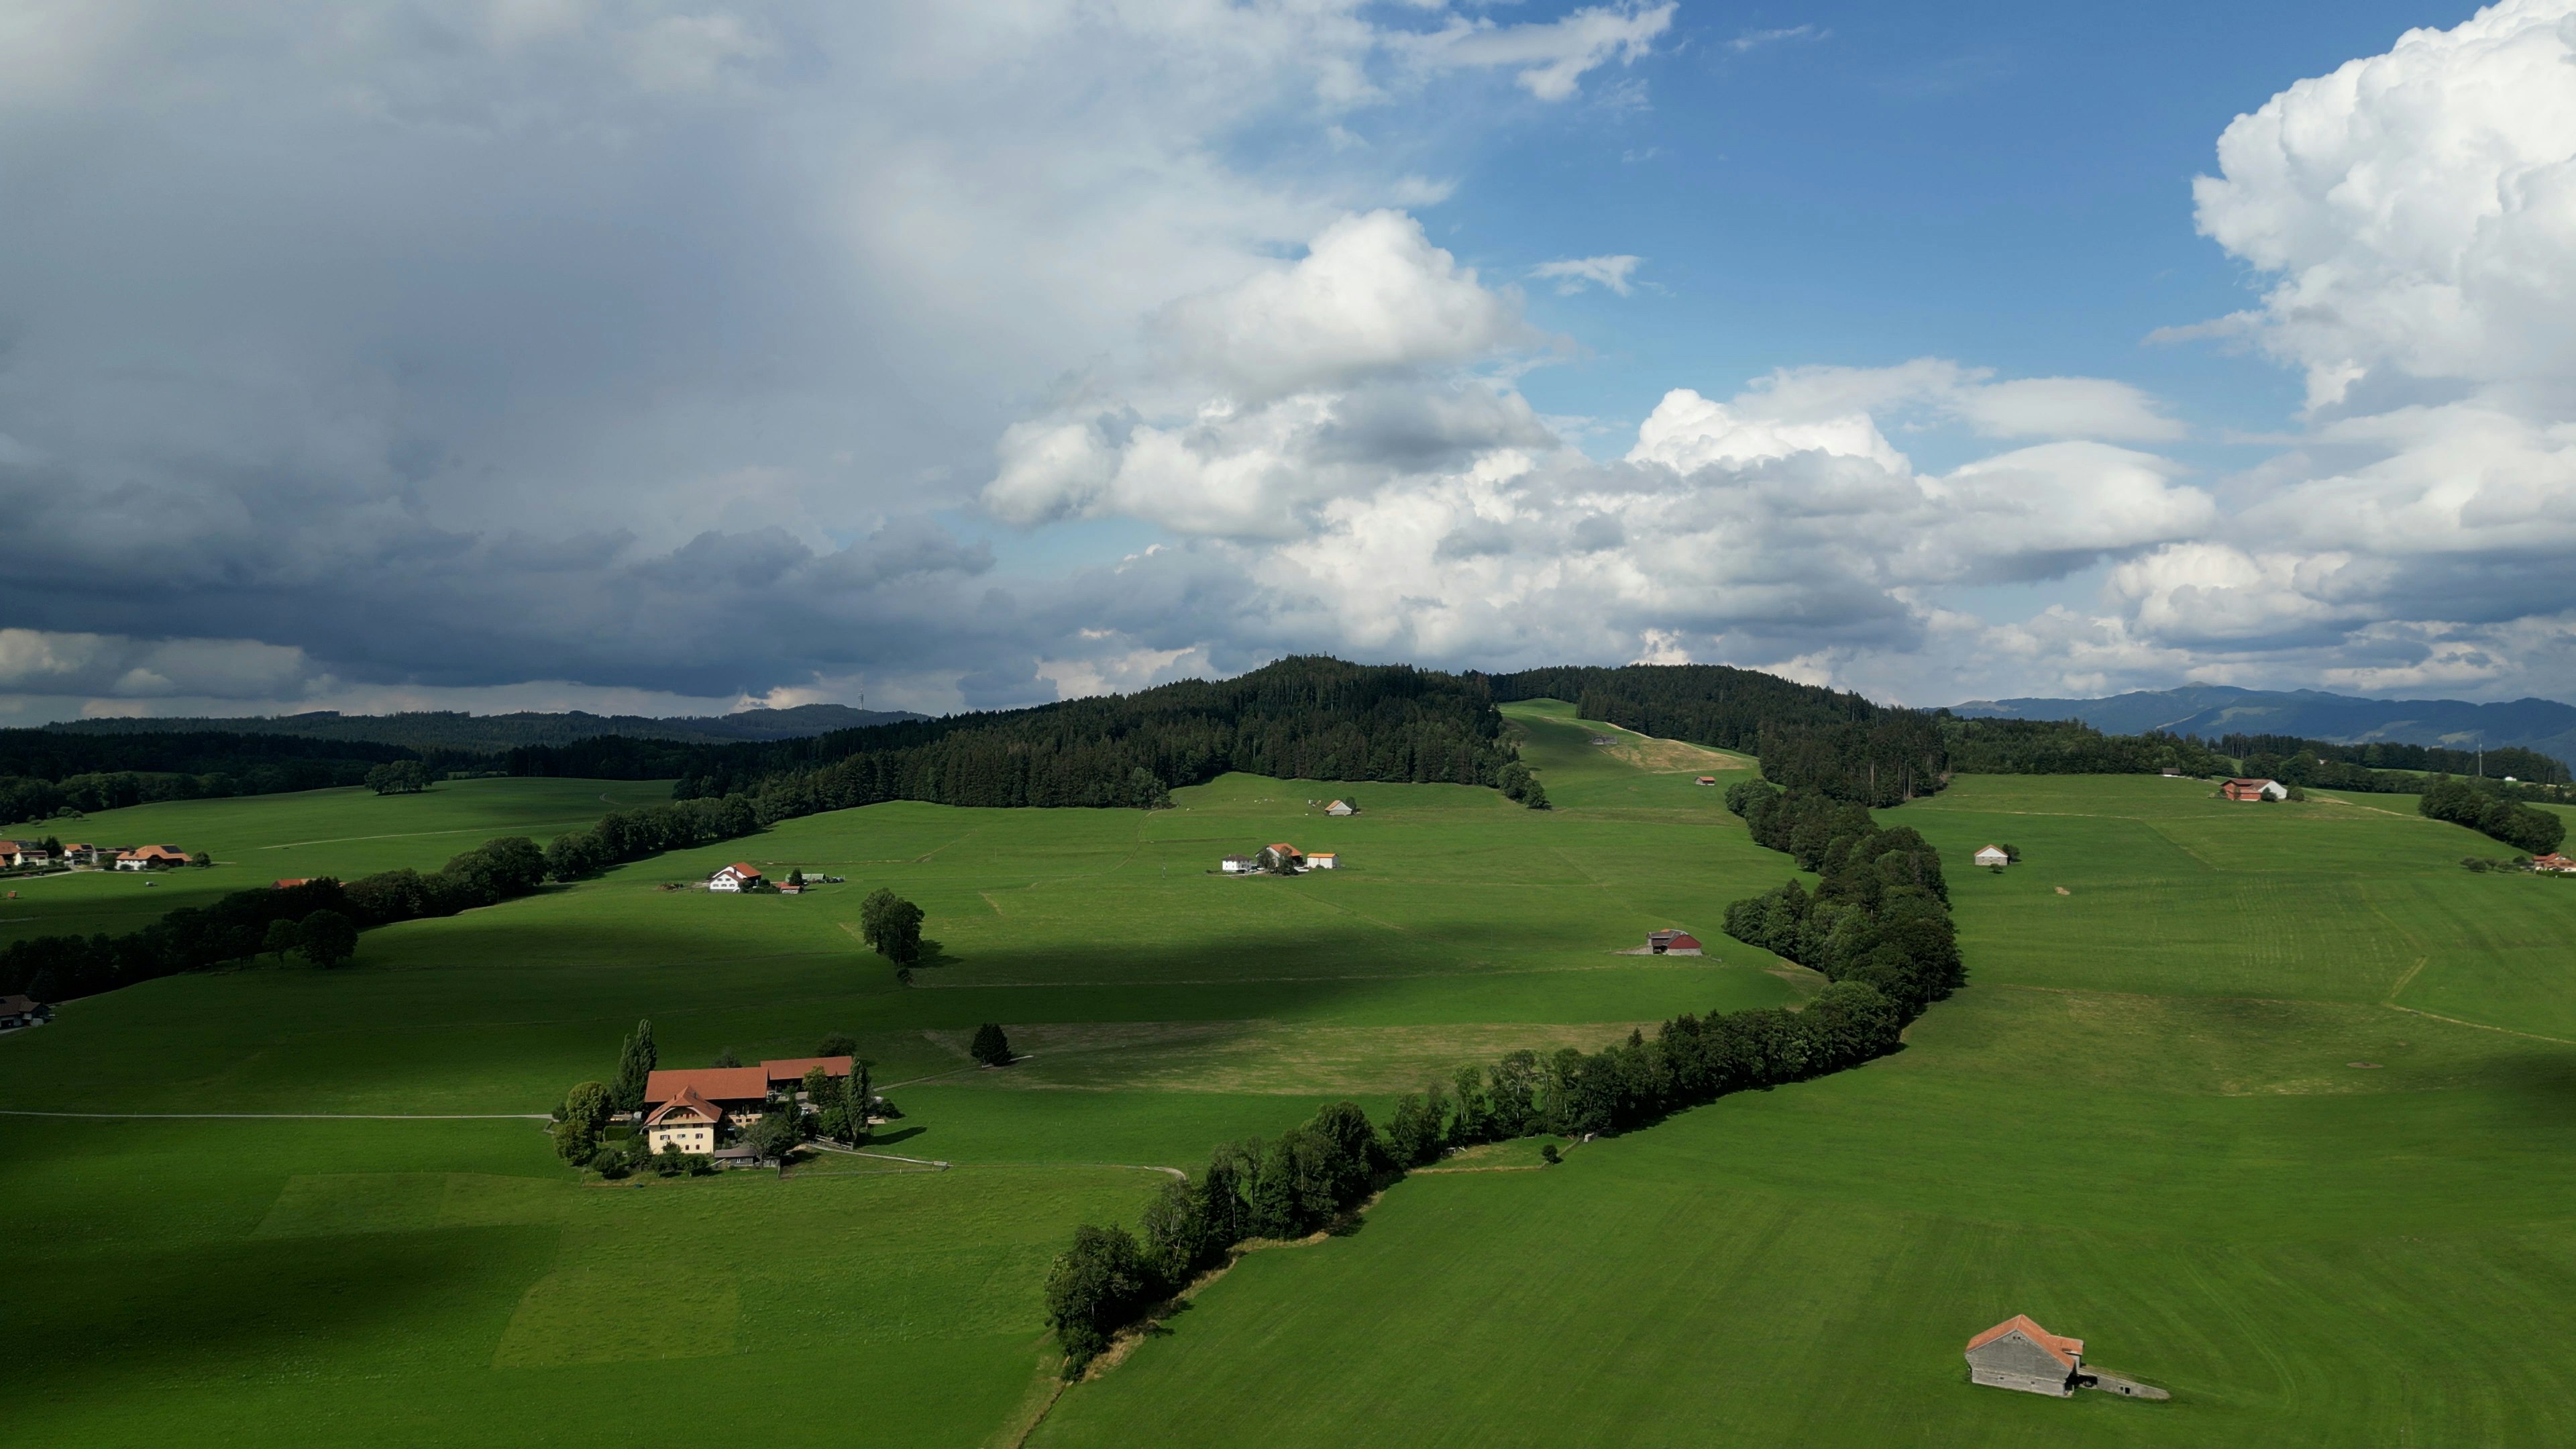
(1880, 915)
(1886, 940)
(46, 772)
(2491, 812)
(242, 925)
(2070, 747)
(1314, 1173)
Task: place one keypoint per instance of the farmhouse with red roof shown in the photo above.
(739, 876)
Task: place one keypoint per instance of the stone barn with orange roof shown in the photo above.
(2019, 1354)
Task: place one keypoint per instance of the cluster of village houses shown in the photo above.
(700, 1110)
(31, 855)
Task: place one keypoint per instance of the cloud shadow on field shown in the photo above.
(262, 1306)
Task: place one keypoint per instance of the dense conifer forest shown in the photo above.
(46, 771)
(1301, 718)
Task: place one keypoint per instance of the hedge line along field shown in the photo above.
(448, 1281)
(2191, 1110)
(256, 839)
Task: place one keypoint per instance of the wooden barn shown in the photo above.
(2251, 789)
(1672, 942)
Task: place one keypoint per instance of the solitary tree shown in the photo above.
(796, 877)
(892, 925)
(327, 938)
(726, 1058)
(201, 860)
(991, 1047)
(838, 1044)
(635, 1069)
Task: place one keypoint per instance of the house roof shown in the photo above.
(153, 852)
(687, 1100)
(1323, 855)
(716, 1084)
(1284, 849)
(744, 869)
(1991, 849)
(2065, 1350)
(293, 881)
(2252, 780)
(793, 1069)
(16, 1005)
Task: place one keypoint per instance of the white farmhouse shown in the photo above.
(738, 876)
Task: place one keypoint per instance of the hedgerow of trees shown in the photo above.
(240, 926)
(2536, 832)
(1881, 914)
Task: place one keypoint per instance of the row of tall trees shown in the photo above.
(48, 772)
(1314, 1173)
(242, 925)
(624, 835)
(1879, 917)
(2461, 802)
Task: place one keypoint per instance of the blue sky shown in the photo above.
(669, 355)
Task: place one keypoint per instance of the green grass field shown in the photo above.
(261, 838)
(2144, 1124)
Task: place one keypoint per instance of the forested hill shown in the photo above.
(2219, 711)
(1830, 739)
(44, 771)
(1302, 718)
(488, 734)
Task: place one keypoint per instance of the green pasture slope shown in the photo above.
(444, 1280)
(2271, 1105)
(260, 838)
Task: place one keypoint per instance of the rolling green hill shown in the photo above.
(2147, 1122)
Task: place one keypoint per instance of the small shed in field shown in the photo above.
(1672, 942)
(1322, 860)
(2251, 789)
(1238, 865)
(1341, 807)
(1994, 855)
(2019, 1354)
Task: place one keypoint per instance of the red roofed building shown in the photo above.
(2019, 1354)
(2246, 789)
(741, 1091)
(1675, 942)
(788, 1071)
(2554, 862)
(1282, 857)
(738, 876)
(688, 1122)
(151, 857)
(293, 881)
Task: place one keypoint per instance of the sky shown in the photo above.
(680, 357)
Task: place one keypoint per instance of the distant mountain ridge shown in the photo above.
(2212, 710)
(493, 733)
